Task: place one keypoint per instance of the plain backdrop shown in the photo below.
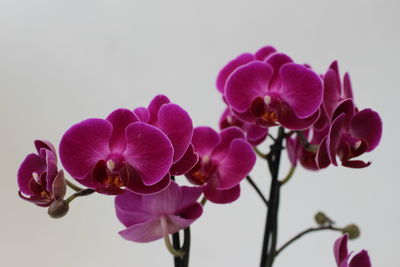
(62, 61)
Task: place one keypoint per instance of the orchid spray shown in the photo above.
(135, 155)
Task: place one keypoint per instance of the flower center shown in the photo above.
(269, 117)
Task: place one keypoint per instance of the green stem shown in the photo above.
(73, 186)
(82, 193)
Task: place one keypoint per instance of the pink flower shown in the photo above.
(38, 178)
(343, 257)
(150, 217)
(120, 151)
(176, 123)
(225, 160)
(268, 89)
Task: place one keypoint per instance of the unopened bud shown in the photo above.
(352, 230)
(58, 208)
(321, 218)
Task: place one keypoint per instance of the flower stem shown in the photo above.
(186, 246)
(81, 193)
(251, 182)
(288, 176)
(73, 186)
(164, 227)
(271, 225)
(309, 230)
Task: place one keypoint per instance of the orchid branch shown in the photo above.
(309, 230)
(252, 183)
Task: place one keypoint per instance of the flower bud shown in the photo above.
(352, 230)
(321, 219)
(58, 208)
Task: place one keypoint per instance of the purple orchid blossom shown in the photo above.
(151, 217)
(269, 89)
(120, 151)
(255, 134)
(343, 257)
(351, 132)
(225, 160)
(39, 181)
(176, 123)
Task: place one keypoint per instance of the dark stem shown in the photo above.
(309, 230)
(271, 225)
(186, 246)
(176, 243)
(251, 182)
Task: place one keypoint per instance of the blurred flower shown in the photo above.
(225, 160)
(343, 257)
(120, 151)
(38, 178)
(351, 134)
(150, 217)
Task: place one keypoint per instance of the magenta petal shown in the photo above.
(227, 136)
(83, 145)
(238, 162)
(301, 89)
(367, 125)
(177, 125)
(120, 119)
(149, 151)
(334, 137)
(136, 185)
(340, 249)
(256, 134)
(222, 196)
(264, 52)
(51, 168)
(39, 144)
(185, 219)
(164, 202)
(276, 61)
(331, 92)
(348, 108)
(322, 157)
(155, 106)
(143, 232)
(230, 67)
(32, 163)
(186, 163)
(361, 259)
(190, 194)
(142, 113)
(128, 207)
(204, 140)
(356, 164)
(247, 83)
(347, 88)
(293, 147)
(288, 119)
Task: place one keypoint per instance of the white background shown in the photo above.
(62, 61)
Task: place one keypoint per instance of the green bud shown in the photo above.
(321, 219)
(352, 230)
(58, 208)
